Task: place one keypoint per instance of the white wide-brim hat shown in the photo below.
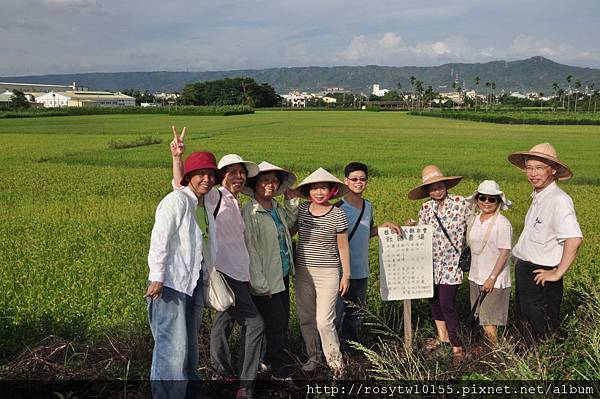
(287, 178)
(490, 187)
(232, 159)
(321, 176)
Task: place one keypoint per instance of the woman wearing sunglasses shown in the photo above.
(489, 234)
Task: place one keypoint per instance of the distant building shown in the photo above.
(329, 100)
(53, 99)
(5, 98)
(516, 94)
(85, 99)
(40, 88)
(379, 92)
(296, 99)
(335, 90)
(166, 98)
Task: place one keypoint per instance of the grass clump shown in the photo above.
(139, 142)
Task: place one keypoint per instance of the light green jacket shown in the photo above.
(266, 271)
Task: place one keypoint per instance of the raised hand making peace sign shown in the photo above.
(177, 147)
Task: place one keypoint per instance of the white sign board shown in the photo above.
(406, 265)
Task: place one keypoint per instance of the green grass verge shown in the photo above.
(518, 117)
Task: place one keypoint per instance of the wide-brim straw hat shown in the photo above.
(545, 151)
(321, 176)
(231, 159)
(490, 187)
(287, 178)
(432, 174)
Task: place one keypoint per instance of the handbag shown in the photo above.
(464, 261)
(218, 295)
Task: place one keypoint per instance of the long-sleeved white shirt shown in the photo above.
(175, 256)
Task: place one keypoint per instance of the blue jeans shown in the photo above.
(349, 313)
(175, 319)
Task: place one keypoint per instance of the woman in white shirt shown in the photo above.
(489, 234)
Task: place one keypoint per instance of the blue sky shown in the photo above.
(67, 36)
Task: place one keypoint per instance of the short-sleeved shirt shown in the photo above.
(317, 237)
(359, 244)
(454, 216)
(500, 237)
(550, 220)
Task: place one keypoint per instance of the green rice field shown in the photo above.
(77, 214)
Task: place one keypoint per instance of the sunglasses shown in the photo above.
(485, 198)
(357, 179)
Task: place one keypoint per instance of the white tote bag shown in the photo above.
(217, 293)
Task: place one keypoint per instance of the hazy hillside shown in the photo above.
(533, 74)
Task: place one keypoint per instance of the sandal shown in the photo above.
(458, 356)
(433, 343)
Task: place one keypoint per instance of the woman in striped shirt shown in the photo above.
(322, 267)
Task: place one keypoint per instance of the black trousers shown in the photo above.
(537, 306)
(275, 311)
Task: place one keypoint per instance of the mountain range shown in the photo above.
(532, 74)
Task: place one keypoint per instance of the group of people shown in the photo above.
(543, 253)
(199, 227)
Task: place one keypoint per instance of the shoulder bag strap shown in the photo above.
(445, 232)
(362, 211)
(487, 235)
(218, 204)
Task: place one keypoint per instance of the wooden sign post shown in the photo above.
(406, 269)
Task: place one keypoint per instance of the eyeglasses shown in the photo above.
(485, 198)
(357, 179)
(536, 169)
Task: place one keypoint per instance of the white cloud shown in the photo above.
(392, 49)
(71, 3)
(530, 45)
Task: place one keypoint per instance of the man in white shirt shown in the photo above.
(174, 294)
(548, 243)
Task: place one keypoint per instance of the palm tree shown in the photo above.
(419, 92)
(488, 84)
(555, 88)
(477, 80)
(569, 92)
(400, 93)
(577, 86)
(412, 83)
(541, 100)
(591, 90)
(493, 86)
(429, 96)
(596, 94)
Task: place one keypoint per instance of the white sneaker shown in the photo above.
(310, 365)
(264, 368)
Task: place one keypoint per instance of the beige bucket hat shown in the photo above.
(287, 178)
(490, 187)
(321, 176)
(432, 174)
(546, 152)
